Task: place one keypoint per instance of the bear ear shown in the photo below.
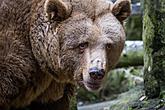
(121, 9)
(57, 9)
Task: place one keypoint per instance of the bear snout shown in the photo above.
(96, 74)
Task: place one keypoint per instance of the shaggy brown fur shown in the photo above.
(41, 58)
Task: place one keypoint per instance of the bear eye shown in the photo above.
(109, 46)
(83, 46)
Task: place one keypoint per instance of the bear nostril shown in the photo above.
(102, 71)
(101, 74)
(95, 73)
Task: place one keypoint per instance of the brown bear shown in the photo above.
(47, 47)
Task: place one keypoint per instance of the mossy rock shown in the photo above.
(134, 99)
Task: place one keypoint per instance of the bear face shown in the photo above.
(91, 48)
(89, 37)
(92, 42)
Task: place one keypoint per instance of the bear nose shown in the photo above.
(96, 74)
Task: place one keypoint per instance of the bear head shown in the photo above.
(90, 37)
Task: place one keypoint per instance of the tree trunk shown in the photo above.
(154, 45)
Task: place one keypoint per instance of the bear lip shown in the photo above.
(93, 85)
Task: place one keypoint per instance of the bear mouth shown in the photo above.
(93, 85)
